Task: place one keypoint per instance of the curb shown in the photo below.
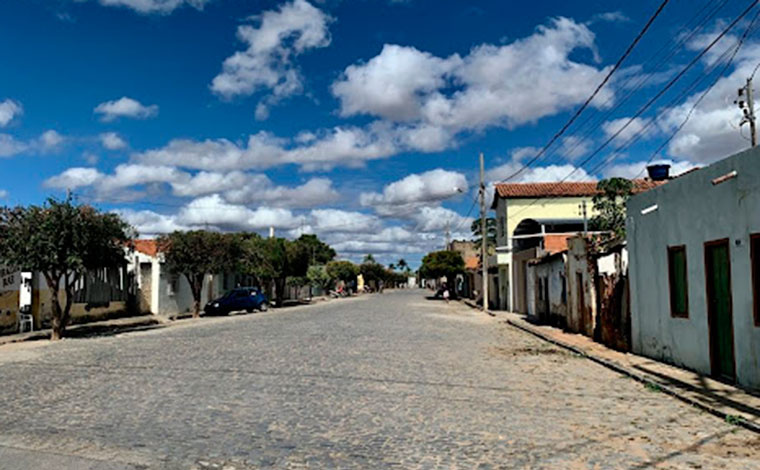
(472, 304)
(738, 420)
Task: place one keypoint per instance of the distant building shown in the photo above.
(695, 270)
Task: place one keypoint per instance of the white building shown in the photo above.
(694, 248)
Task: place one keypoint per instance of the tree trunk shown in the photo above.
(196, 285)
(279, 290)
(59, 328)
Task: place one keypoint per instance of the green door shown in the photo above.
(719, 309)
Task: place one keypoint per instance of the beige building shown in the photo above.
(533, 219)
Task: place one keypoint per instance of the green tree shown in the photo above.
(477, 238)
(198, 253)
(62, 240)
(369, 259)
(403, 265)
(442, 264)
(392, 267)
(320, 253)
(318, 277)
(609, 205)
(373, 272)
(345, 271)
(276, 259)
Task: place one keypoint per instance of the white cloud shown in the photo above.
(394, 84)
(638, 169)
(125, 107)
(112, 141)
(214, 210)
(155, 6)
(351, 146)
(549, 173)
(267, 63)
(611, 17)
(10, 146)
(150, 223)
(74, 178)
(503, 86)
(50, 140)
(627, 129)
(9, 110)
(315, 192)
(429, 187)
(438, 219)
(3, 194)
(573, 147)
(334, 220)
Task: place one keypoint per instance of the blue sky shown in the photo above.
(358, 120)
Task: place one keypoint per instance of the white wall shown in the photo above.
(691, 211)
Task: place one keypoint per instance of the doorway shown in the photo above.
(720, 309)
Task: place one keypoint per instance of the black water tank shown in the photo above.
(659, 171)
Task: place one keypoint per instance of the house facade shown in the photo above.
(531, 217)
(695, 270)
(99, 294)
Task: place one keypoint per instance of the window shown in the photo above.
(679, 292)
(755, 260)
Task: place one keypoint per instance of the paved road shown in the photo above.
(384, 381)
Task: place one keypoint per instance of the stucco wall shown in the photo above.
(551, 270)
(691, 211)
(581, 312)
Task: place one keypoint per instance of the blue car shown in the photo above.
(240, 298)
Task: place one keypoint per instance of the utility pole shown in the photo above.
(483, 234)
(746, 103)
(582, 208)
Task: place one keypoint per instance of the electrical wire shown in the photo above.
(650, 102)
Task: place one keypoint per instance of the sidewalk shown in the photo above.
(90, 329)
(733, 404)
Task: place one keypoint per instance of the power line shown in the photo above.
(650, 102)
(593, 95)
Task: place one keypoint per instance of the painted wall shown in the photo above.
(691, 211)
(552, 271)
(581, 309)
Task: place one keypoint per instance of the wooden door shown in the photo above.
(719, 309)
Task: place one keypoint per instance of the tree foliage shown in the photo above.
(476, 229)
(318, 277)
(276, 259)
(345, 271)
(442, 264)
(609, 206)
(62, 240)
(320, 253)
(198, 253)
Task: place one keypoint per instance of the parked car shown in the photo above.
(240, 298)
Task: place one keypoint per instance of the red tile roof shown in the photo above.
(148, 247)
(563, 189)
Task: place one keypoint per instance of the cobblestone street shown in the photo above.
(381, 381)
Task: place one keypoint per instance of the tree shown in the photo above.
(345, 271)
(369, 259)
(442, 264)
(276, 259)
(198, 253)
(403, 265)
(476, 228)
(320, 253)
(392, 267)
(62, 240)
(609, 205)
(372, 272)
(318, 277)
